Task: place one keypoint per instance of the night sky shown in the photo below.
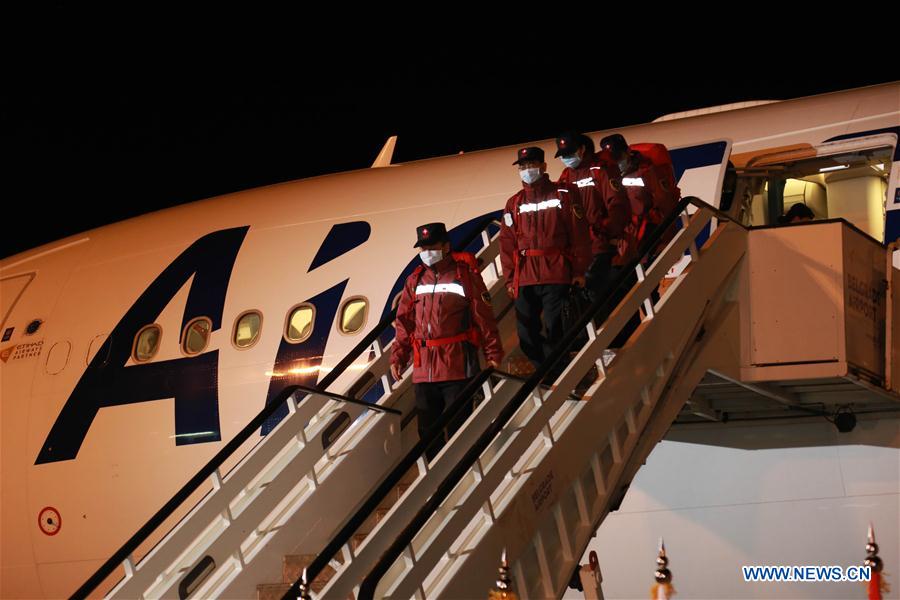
(91, 146)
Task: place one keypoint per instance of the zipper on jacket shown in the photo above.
(430, 317)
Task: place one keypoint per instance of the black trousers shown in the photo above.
(431, 400)
(599, 281)
(533, 303)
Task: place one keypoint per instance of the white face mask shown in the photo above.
(430, 257)
(530, 175)
(571, 161)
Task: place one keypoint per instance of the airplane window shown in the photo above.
(146, 343)
(246, 331)
(300, 323)
(353, 315)
(196, 336)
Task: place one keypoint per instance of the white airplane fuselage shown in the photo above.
(102, 441)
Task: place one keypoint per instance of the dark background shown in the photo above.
(91, 142)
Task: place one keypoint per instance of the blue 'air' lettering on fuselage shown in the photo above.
(342, 238)
(191, 381)
(298, 364)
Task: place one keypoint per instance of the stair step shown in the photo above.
(372, 521)
(292, 566)
(519, 366)
(393, 497)
(410, 476)
(357, 540)
(271, 591)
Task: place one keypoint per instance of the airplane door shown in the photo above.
(11, 289)
(700, 171)
(872, 140)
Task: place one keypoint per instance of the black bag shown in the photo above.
(575, 306)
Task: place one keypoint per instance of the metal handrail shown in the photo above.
(603, 303)
(384, 488)
(123, 553)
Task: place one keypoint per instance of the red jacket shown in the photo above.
(438, 304)
(652, 192)
(544, 236)
(606, 208)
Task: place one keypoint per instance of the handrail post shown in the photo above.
(128, 564)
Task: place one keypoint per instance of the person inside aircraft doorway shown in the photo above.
(444, 315)
(798, 213)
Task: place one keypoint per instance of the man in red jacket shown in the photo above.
(540, 240)
(606, 207)
(652, 195)
(443, 316)
(650, 187)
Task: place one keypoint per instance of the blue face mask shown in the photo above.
(571, 161)
(530, 175)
